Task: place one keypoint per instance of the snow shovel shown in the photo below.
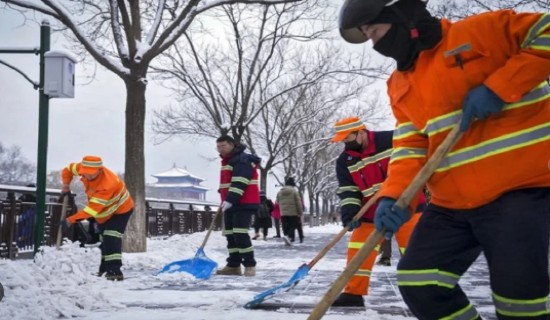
(303, 270)
(410, 192)
(63, 216)
(201, 267)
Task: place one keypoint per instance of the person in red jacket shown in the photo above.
(240, 198)
(361, 168)
(109, 203)
(491, 193)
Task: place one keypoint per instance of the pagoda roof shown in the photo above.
(176, 172)
(177, 185)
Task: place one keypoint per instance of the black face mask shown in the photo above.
(353, 146)
(398, 44)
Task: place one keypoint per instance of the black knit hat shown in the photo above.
(290, 182)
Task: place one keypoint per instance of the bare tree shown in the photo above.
(458, 9)
(125, 37)
(254, 86)
(14, 167)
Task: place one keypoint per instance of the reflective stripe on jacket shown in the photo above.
(508, 52)
(107, 194)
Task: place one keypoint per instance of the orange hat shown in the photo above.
(346, 126)
(90, 165)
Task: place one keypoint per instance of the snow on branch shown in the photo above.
(33, 5)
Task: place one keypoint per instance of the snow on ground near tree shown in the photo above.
(61, 284)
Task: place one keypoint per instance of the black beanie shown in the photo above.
(290, 182)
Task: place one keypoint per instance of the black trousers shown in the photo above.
(513, 234)
(236, 225)
(290, 224)
(111, 243)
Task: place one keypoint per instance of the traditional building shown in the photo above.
(177, 184)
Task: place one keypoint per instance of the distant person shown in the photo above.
(109, 203)
(240, 198)
(276, 215)
(291, 208)
(262, 220)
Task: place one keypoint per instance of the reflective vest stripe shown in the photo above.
(372, 190)
(521, 308)
(350, 201)
(445, 122)
(240, 230)
(227, 167)
(347, 188)
(496, 146)
(405, 130)
(426, 278)
(246, 250)
(366, 161)
(112, 233)
(362, 273)
(236, 190)
(112, 257)
(240, 179)
(542, 25)
(406, 153)
(466, 313)
(359, 245)
(541, 92)
(72, 168)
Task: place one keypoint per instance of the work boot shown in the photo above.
(256, 237)
(101, 271)
(384, 262)
(349, 300)
(229, 271)
(249, 271)
(114, 275)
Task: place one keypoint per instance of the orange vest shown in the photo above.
(509, 150)
(107, 194)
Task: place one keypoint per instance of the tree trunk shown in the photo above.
(135, 237)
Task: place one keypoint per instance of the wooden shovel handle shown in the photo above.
(410, 192)
(342, 232)
(62, 217)
(211, 227)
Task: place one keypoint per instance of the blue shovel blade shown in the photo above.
(201, 267)
(296, 277)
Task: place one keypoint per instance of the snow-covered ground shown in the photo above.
(60, 284)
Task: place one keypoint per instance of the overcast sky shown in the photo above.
(92, 122)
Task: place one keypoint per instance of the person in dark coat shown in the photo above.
(262, 218)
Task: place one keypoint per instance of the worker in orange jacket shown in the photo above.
(109, 203)
(360, 169)
(491, 194)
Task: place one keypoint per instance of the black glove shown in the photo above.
(347, 221)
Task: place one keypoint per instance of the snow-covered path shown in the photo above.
(60, 284)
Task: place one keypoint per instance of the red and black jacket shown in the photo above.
(239, 178)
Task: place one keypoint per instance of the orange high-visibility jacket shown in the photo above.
(107, 194)
(508, 52)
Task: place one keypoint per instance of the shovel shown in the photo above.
(303, 270)
(201, 267)
(63, 216)
(404, 200)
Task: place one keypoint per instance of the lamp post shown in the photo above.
(43, 114)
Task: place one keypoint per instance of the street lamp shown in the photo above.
(53, 83)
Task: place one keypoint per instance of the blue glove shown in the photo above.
(390, 217)
(479, 103)
(347, 221)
